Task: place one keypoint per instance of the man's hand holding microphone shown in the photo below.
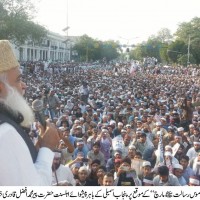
(48, 134)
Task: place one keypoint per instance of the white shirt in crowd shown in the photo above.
(63, 173)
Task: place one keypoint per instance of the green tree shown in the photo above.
(16, 22)
(175, 49)
(138, 52)
(163, 53)
(191, 29)
(153, 48)
(110, 50)
(85, 48)
(164, 35)
(92, 49)
(183, 59)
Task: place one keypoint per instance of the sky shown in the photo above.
(128, 21)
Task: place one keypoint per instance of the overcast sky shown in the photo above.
(134, 20)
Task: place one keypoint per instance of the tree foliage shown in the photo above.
(16, 22)
(168, 49)
(191, 29)
(175, 49)
(164, 35)
(91, 49)
(183, 59)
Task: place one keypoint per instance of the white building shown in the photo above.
(53, 48)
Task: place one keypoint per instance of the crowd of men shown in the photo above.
(121, 128)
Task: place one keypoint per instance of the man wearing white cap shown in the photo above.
(168, 161)
(168, 148)
(146, 170)
(61, 175)
(117, 131)
(110, 162)
(195, 136)
(180, 130)
(178, 172)
(15, 144)
(81, 148)
(159, 128)
(193, 151)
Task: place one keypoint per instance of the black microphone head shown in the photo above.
(37, 105)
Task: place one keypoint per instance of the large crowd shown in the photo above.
(120, 124)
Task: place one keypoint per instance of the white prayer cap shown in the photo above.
(62, 128)
(168, 147)
(112, 122)
(163, 119)
(83, 168)
(57, 154)
(81, 119)
(104, 130)
(79, 127)
(7, 56)
(180, 129)
(123, 131)
(80, 142)
(196, 142)
(191, 126)
(167, 153)
(158, 123)
(132, 147)
(128, 125)
(120, 124)
(178, 166)
(76, 121)
(138, 131)
(146, 163)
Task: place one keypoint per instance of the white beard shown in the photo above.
(16, 102)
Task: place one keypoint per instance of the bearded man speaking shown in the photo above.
(21, 163)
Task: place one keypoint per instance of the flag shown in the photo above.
(160, 150)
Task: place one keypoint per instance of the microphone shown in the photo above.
(37, 106)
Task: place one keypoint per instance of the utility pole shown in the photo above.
(67, 41)
(188, 60)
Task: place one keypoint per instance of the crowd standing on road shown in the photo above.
(121, 124)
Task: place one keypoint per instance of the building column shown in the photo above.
(25, 54)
